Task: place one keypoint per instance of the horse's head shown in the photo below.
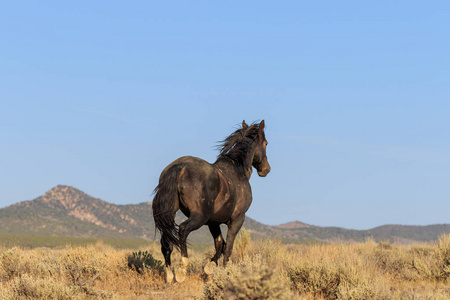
(260, 162)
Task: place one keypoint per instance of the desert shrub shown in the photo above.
(247, 279)
(14, 262)
(318, 280)
(360, 281)
(431, 262)
(28, 287)
(443, 254)
(255, 285)
(83, 266)
(273, 251)
(389, 259)
(242, 242)
(426, 266)
(422, 250)
(385, 245)
(275, 254)
(332, 281)
(411, 263)
(337, 272)
(11, 263)
(394, 260)
(143, 261)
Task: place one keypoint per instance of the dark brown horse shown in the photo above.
(209, 194)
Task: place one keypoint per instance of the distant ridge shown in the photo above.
(293, 225)
(67, 211)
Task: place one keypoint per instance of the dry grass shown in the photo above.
(258, 270)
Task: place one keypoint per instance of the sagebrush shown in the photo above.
(258, 270)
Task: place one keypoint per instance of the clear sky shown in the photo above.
(102, 95)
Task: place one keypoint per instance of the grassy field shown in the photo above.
(39, 241)
(258, 270)
(27, 241)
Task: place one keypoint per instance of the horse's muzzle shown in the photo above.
(264, 168)
(264, 172)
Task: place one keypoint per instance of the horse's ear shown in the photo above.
(261, 125)
(244, 125)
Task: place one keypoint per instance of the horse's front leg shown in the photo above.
(233, 228)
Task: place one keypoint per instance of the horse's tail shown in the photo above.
(166, 195)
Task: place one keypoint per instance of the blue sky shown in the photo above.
(102, 95)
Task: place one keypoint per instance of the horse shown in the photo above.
(209, 194)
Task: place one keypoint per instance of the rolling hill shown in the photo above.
(67, 211)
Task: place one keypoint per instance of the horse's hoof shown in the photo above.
(169, 275)
(180, 275)
(184, 262)
(209, 268)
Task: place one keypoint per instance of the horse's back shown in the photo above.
(193, 173)
(191, 163)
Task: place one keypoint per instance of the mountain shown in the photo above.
(67, 211)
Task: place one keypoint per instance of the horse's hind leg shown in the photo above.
(219, 244)
(195, 221)
(166, 249)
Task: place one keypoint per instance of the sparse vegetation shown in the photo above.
(258, 270)
(37, 241)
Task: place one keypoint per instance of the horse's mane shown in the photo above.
(237, 144)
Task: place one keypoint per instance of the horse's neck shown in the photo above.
(227, 165)
(248, 161)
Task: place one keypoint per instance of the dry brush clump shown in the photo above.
(250, 278)
(29, 287)
(256, 271)
(337, 272)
